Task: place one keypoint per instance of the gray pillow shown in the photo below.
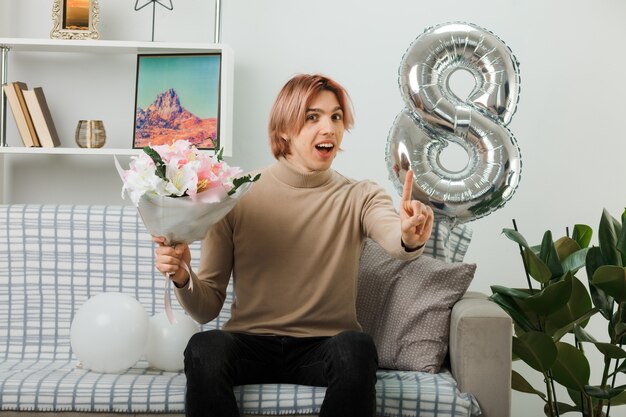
(406, 306)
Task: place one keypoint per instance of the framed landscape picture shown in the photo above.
(177, 97)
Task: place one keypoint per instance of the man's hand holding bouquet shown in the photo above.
(180, 192)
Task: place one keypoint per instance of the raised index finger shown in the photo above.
(408, 186)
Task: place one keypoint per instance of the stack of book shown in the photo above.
(32, 115)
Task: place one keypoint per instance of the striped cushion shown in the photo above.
(55, 257)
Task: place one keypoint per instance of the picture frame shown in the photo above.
(178, 97)
(75, 19)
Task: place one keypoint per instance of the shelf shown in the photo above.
(106, 48)
(18, 150)
(102, 46)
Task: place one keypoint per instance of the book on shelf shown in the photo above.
(42, 118)
(15, 98)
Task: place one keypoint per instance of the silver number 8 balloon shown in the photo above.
(435, 116)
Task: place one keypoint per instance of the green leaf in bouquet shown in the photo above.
(536, 349)
(552, 298)
(549, 255)
(612, 280)
(608, 233)
(604, 393)
(238, 182)
(220, 154)
(518, 383)
(571, 367)
(582, 235)
(160, 166)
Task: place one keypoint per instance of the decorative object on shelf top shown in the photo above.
(154, 2)
(75, 19)
(90, 134)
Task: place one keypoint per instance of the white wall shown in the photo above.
(568, 123)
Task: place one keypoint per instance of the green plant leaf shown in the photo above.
(608, 232)
(516, 237)
(565, 246)
(619, 399)
(511, 292)
(575, 261)
(612, 280)
(514, 311)
(582, 235)
(583, 336)
(549, 255)
(611, 351)
(604, 393)
(536, 267)
(620, 368)
(570, 326)
(566, 408)
(621, 239)
(536, 349)
(518, 383)
(577, 306)
(571, 368)
(600, 299)
(552, 298)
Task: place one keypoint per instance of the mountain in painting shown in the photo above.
(166, 120)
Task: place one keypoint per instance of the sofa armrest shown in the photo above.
(480, 352)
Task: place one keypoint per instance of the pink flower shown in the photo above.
(180, 170)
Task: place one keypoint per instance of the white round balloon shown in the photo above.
(167, 342)
(109, 332)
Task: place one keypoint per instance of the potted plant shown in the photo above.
(550, 316)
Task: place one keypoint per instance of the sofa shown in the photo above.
(53, 258)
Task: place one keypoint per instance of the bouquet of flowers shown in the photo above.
(180, 191)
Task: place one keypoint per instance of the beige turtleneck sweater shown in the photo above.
(293, 244)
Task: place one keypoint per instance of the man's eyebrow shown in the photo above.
(321, 111)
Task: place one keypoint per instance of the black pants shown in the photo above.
(216, 360)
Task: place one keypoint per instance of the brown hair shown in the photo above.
(288, 113)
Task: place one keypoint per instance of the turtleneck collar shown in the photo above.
(289, 174)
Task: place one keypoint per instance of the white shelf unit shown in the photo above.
(10, 48)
